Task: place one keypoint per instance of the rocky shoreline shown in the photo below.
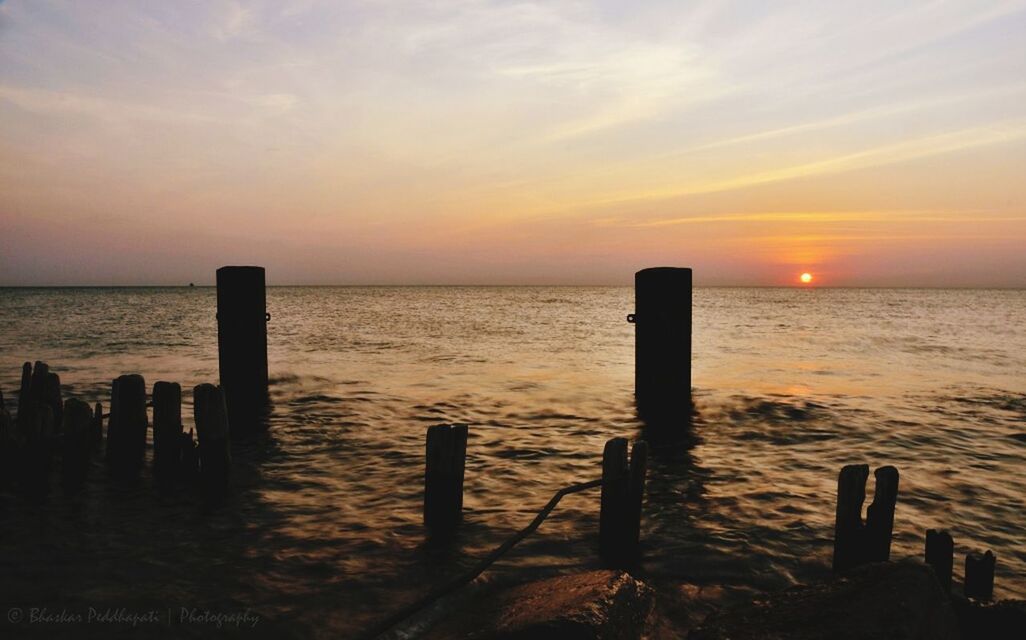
(902, 599)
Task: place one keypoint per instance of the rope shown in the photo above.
(478, 568)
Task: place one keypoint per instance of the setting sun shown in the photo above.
(806, 278)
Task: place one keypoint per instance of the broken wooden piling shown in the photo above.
(77, 422)
(623, 488)
(880, 515)
(662, 343)
(940, 554)
(242, 345)
(212, 430)
(126, 429)
(979, 576)
(167, 433)
(444, 468)
(96, 429)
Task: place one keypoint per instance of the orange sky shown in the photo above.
(497, 142)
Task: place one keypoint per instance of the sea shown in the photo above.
(322, 534)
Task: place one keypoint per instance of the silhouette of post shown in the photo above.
(444, 467)
(78, 419)
(880, 515)
(167, 432)
(96, 429)
(126, 429)
(212, 430)
(940, 554)
(979, 576)
(242, 345)
(662, 343)
(848, 527)
(623, 489)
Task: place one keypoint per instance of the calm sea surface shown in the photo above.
(323, 534)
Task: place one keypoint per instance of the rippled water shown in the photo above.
(323, 535)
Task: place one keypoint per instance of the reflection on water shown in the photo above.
(324, 533)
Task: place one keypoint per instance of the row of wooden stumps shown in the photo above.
(47, 427)
(623, 490)
(857, 542)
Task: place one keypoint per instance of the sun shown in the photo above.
(806, 278)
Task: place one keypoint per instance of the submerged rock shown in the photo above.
(596, 605)
(899, 600)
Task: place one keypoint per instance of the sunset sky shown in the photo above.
(867, 143)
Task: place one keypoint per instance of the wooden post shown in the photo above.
(96, 429)
(613, 507)
(880, 515)
(189, 462)
(215, 459)
(662, 343)
(126, 430)
(940, 554)
(242, 345)
(78, 418)
(445, 462)
(25, 404)
(979, 576)
(848, 527)
(167, 432)
(37, 459)
(636, 495)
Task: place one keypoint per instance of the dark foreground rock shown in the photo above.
(1004, 620)
(897, 600)
(596, 605)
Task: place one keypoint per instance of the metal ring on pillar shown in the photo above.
(632, 318)
(267, 317)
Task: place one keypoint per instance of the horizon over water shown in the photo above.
(323, 534)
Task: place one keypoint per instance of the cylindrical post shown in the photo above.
(636, 495)
(25, 404)
(96, 430)
(848, 527)
(167, 432)
(613, 506)
(445, 461)
(880, 515)
(662, 343)
(215, 458)
(126, 430)
(940, 554)
(242, 345)
(78, 418)
(979, 576)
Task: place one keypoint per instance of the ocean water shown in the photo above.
(322, 535)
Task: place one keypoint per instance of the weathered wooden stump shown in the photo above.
(848, 534)
(242, 345)
(25, 403)
(126, 429)
(880, 515)
(940, 554)
(38, 453)
(445, 462)
(188, 468)
(167, 433)
(78, 420)
(979, 576)
(623, 489)
(855, 542)
(96, 428)
(212, 431)
(662, 367)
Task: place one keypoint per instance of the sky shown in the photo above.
(474, 142)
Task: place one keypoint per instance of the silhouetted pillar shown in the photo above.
(242, 345)
(211, 416)
(940, 554)
(662, 352)
(623, 489)
(77, 420)
(848, 527)
(880, 515)
(167, 432)
(445, 462)
(979, 576)
(126, 430)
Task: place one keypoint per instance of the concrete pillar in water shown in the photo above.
(662, 351)
(242, 345)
